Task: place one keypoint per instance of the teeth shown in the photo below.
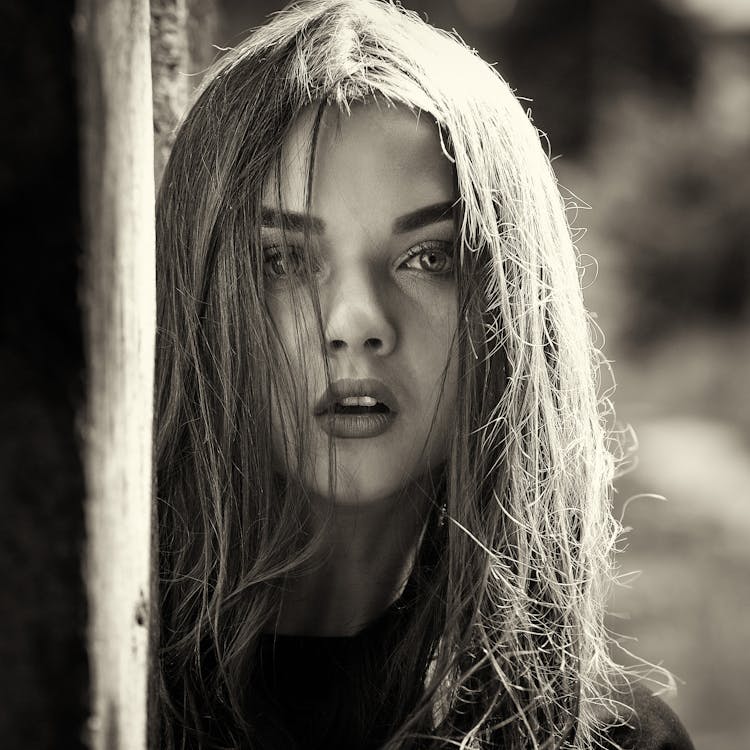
(358, 401)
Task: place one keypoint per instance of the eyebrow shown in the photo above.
(294, 221)
(423, 217)
(291, 221)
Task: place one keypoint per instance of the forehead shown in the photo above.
(376, 153)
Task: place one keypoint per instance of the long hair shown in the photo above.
(503, 640)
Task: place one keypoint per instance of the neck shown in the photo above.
(361, 568)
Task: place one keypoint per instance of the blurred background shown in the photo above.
(646, 107)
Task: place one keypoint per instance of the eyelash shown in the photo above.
(274, 252)
(431, 246)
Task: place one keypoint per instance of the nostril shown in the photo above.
(371, 344)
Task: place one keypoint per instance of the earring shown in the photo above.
(443, 515)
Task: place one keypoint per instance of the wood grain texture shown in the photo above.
(183, 33)
(170, 69)
(118, 298)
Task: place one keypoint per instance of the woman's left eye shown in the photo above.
(431, 257)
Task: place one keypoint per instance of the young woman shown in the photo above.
(383, 471)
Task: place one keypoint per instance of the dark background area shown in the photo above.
(42, 604)
(646, 106)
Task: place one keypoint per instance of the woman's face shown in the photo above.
(380, 238)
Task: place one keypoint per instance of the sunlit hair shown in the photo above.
(502, 639)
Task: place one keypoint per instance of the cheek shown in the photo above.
(436, 348)
(446, 391)
(296, 362)
(442, 344)
(297, 341)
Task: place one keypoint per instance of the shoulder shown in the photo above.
(645, 722)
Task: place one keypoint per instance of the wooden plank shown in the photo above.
(118, 297)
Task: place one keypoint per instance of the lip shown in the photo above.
(346, 387)
(356, 425)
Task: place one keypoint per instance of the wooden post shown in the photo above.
(170, 70)
(181, 51)
(118, 297)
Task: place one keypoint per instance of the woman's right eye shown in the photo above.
(280, 262)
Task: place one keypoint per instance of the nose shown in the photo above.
(358, 319)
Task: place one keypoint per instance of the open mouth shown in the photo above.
(362, 408)
(357, 405)
(357, 417)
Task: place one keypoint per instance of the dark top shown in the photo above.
(307, 685)
(651, 725)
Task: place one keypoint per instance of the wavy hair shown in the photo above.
(503, 641)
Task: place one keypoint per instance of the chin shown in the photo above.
(367, 483)
(366, 486)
